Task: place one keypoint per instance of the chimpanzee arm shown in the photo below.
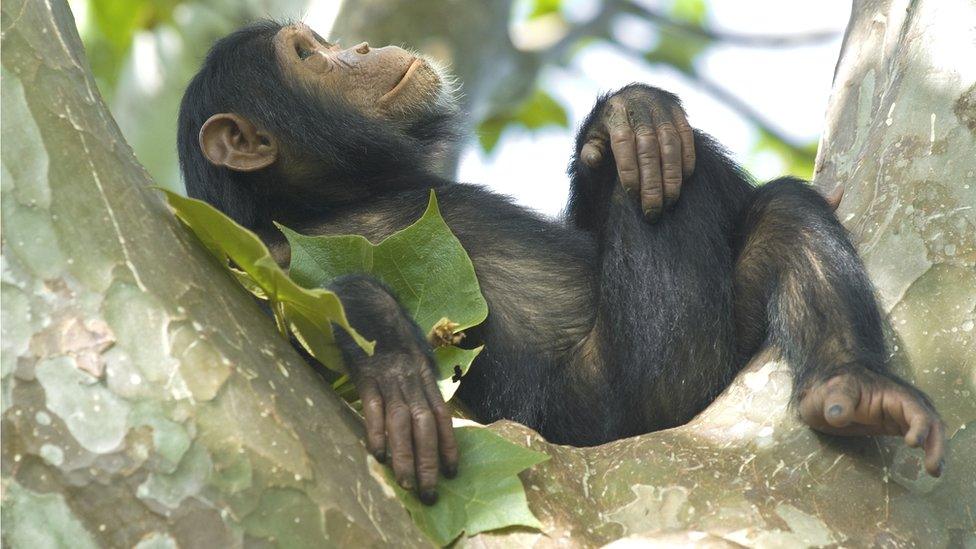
(649, 159)
(800, 286)
(405, 414)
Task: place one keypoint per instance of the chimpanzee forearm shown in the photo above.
(590, 187)
(377, 316)
(405, 414)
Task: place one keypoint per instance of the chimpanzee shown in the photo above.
(669, 271)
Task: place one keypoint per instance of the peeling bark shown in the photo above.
(146, 398)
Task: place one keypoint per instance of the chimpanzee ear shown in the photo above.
(232, 141)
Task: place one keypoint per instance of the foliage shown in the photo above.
(538, 111)
(425, 267)
(115, 23)
(798, 160)
(486, 494)
(680, 49)
(308, 313)
(433, 278)
(545, 7)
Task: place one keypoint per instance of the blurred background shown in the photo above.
(756, 74)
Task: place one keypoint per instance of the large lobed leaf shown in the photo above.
(487, 493)
(424, 265)
(308, 312)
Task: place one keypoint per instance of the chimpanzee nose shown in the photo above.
(363, 48)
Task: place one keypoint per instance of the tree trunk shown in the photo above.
(145, 397)
(901, 139)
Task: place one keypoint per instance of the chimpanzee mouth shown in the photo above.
(414, 65)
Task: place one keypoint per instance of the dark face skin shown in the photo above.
(387, 83)
(379, 82)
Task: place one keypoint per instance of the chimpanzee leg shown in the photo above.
(665, 325)
(799, 286)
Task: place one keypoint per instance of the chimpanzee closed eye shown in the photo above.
(669, 271)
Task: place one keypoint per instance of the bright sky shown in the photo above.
(789, 86)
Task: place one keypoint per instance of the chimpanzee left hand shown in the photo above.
(650, 140)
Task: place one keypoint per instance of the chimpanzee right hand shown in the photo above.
(651, 142)
(407, 420)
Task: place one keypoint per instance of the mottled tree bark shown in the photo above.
(145, 396)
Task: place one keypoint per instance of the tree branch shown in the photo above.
(733, 38)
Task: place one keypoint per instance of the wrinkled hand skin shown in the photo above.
(647, 134)
(862, 403)
(407, 422)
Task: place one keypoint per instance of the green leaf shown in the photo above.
(446, 359)
(309, 313)
(692, 11)
(798, 159)
(424, 265)
(545, 7)
(487, 493)
(677, 47)
(678, 50)
(540, 110)
(490, 131)
(114, 24)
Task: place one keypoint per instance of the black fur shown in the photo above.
(601, 326)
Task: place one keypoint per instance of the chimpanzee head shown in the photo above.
(279, 123)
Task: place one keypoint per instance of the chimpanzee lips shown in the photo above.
(412, 68)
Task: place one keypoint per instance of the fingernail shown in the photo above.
(406, 483)
(450, 471)
(428, 497)
(835, 410)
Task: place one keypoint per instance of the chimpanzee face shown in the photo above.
(387, 82)
(278, 112)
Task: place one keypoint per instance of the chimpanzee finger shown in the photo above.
(399, 432)
(623, 146)
(446, 442)
(671, 166)
(373, 411)
(841, 400)
(935, 448)
(687, 136)
(648, 162)
(918, 431)
(592, 153)
(426, 458)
